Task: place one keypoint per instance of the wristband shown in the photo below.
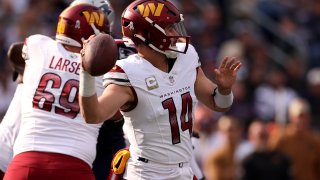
(87, 85)
(222, 101)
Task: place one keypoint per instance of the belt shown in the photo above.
(147, 161)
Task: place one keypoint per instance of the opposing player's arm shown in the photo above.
(15, 53)
(16, 60)
(97, 109)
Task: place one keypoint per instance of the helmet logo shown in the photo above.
(131, 27)
(94, 17)
(77, 26)
(150, 8)
(61, 28)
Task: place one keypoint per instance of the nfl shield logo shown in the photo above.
(171, 79)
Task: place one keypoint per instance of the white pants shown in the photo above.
(137, 170)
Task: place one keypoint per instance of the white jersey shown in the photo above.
(51, 121)
(9, 129)
(159, 127)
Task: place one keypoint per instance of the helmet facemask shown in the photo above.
(108, 11)
(176, 33)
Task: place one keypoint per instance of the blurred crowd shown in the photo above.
(272, 128)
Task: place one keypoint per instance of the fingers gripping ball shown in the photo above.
(99, 54)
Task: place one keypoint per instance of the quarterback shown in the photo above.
(157, 90)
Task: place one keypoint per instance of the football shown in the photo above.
(99, 54)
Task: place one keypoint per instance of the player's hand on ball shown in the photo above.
(99, 54)
(226, 74)
(87, 40)
(84, 43)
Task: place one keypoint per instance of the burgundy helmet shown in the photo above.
(79, 22)
(103, 5)
(145, 21)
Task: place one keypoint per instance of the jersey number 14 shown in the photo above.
(186, 124)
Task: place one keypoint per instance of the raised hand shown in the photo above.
(226, 74)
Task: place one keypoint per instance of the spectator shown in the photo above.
(299, 142)
(271, 99)
(205, 126)
(221, 164)
(313, 96)
(264, 163)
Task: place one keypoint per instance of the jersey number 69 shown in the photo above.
(49, 89)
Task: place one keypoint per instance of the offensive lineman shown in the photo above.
(54, 142)
(110, 138)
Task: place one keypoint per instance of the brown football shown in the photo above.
(99, 55)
